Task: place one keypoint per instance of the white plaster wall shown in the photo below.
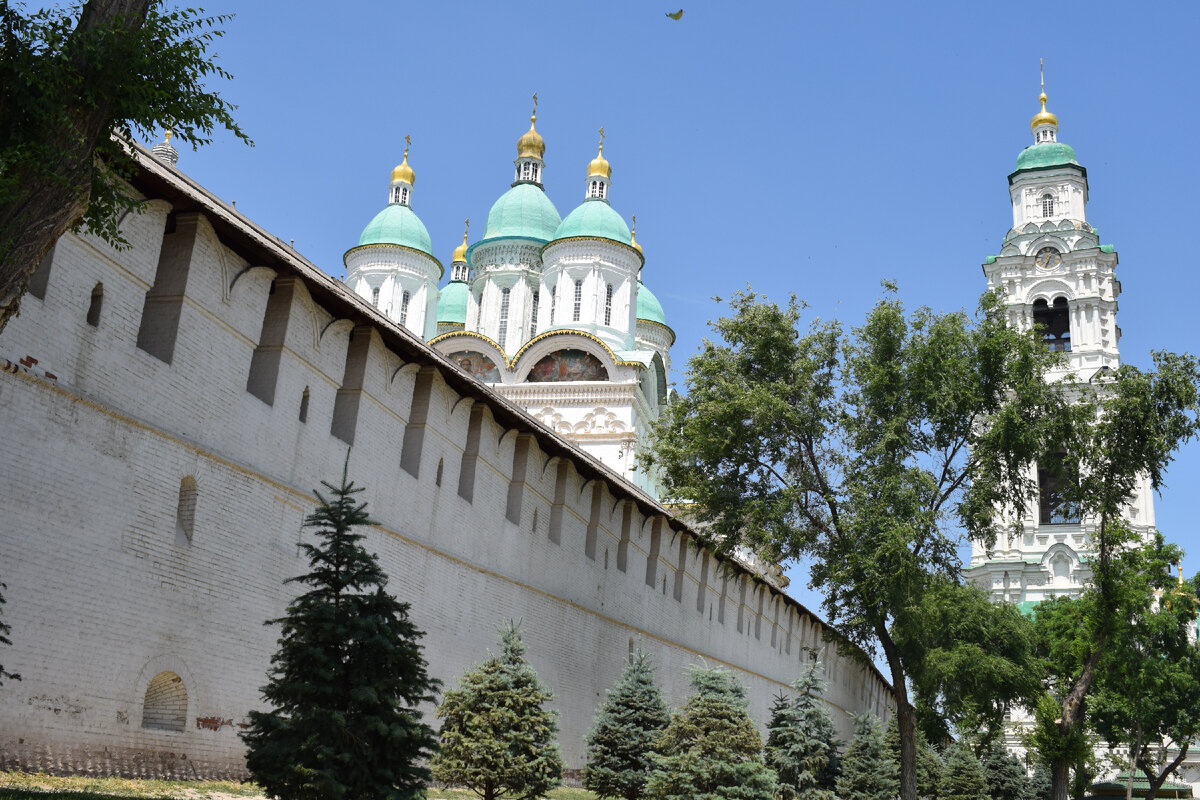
(101, 593)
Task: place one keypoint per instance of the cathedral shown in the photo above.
(551, 311)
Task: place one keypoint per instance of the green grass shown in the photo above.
(26, 786)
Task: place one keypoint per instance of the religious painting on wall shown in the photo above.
(568, 365)
(477, 364)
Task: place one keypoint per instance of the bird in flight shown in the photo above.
(675, 15)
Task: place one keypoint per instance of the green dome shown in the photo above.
(648, 307)
(452, 303)
(397, 224)
(594, 218)
(1046, 154)
(525, 211)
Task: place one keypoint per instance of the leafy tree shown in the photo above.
(1148, 687)
(866, 452)
(962, 778)
(711, 749)
(347, 680)
(802, 745)
(4, 631)
(1123, 428)
(76, 83)
(868, 770)
(929, 762)
(497, 736)
(1004, 773)
(624, 739)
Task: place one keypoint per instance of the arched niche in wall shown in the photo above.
(568, 364)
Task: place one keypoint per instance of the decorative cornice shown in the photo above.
(560, 332)
(630, 248)
(441, 337)
(387, 245)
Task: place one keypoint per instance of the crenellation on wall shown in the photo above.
(103, 592)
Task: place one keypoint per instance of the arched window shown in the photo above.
(595, 190)
(403, 195)
(553, 303)
(534, 172)
(503, 331)
(1056, 479)
(1054, 322)
(375, 296)
(93, 314)
(578, 301)
(304, 405)
(608, 292)
(165, 706)
(404, 298)
(396, 194)
(1047, 205)
(533, 312)
(185, 511)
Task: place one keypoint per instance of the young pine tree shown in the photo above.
(1004, 773)
(962, 778)
(347, 679)
(623, 742)
(929, 763)
(497, 737)
(711, 749)
(868, 770)
(802, 745)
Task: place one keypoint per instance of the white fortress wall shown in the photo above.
(151, 502)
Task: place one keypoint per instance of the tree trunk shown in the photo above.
(1156, 781)
(1072, 718)
(1135, 751)
(906, 718)
(42, 209)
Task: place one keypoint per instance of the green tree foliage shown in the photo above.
(711, 749)
(1039, 783)
(866, 452)
(802, 745)
(1123, 427)
(1147, 694)
(624, 739)
(868, 770)
(929, 762)
(497, 736)
(4, 631)
(347, 680)
(1004, 773)
(77, 82)
(962, 776)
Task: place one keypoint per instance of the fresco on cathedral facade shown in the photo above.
(568, 365)
(477, 364)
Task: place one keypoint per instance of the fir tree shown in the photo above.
(623, 742)
(711, 749)
(347, 679)
(869, 772)
(1004, 773)
(4, 631)
(802, 746)
(497, 737)
(929, 763)
(1039, 785)
(963, 777)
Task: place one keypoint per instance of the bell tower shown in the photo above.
(1056, 277)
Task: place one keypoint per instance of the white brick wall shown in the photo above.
(103, 596)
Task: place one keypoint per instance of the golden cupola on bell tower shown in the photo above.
(531, 150)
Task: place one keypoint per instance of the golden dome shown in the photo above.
(598, 167)
(403, 172)
(633, 236)
(531, 144)
(1043, 117)
(460, 252)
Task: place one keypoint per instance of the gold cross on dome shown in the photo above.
(602, 136)
(535, 102)
(407, 144)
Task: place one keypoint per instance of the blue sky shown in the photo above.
(815, 148)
